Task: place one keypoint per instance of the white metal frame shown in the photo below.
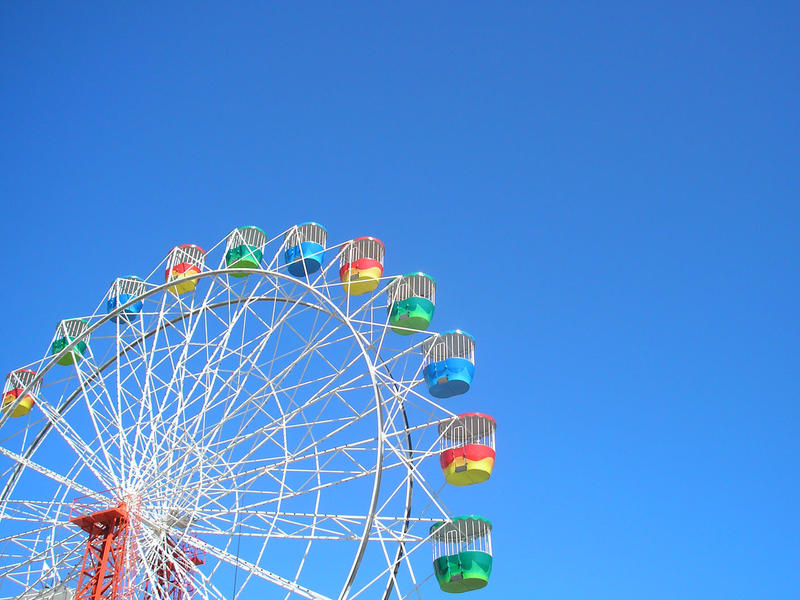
(227, 406)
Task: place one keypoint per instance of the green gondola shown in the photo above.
(67, 331)
(412, 300)
(245, 249)
(462, 555)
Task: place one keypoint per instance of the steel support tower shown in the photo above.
(104, 559)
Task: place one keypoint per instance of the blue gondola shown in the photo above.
(305, 248)
(122, 291)
(450, 363)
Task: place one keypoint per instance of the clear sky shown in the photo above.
(607, 194)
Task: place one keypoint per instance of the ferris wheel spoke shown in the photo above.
(390, 571)
(36, 563)
(277, 423)
(421, 483)
(369, 325)
(307, 352)
(256, 470)
(325, 394)
(57, 504)
(348, 422)
(116, 411)
(250, 359)
(306, 550)
(76, 443)
(141, 414)
(304, 349)
(220, 483)
(313, 345)
(257, 571)
(283, 421)
(103, 432)
(345, 480)
(402, 556)
(298, 455)
(308, 348)
(341, 527)
(33, 511)
(166, 430)
(25, 554)
(223, 450)
(287, 300)
(21, 535)
(254, 474)
(230, 413)
(384, 365)
(390, 568)
(139, 404)
(353, 309)
(28, 463)
(209, 591)
(412, 397)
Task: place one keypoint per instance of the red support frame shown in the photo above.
(104, 568)
(174, 577)
(104, 559)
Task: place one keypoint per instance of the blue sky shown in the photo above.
(606, 194)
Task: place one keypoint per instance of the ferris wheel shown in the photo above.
(268, 418)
